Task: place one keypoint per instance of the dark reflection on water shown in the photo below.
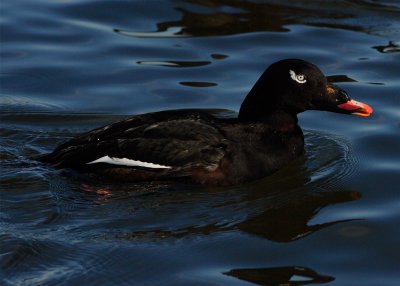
(198, 83)
(340, 78)
(70, 66)
(290, 221)
(293, 275)
(227, 17)
(392, 47)
(178, 64)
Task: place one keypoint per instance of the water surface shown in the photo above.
(330, 217)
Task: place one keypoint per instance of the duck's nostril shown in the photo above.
(343, 96)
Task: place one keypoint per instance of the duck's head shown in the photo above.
(292, 86)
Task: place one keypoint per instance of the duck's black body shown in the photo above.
(195, 146)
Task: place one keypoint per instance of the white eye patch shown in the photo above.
(300, 78)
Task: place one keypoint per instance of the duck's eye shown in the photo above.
(300, 78)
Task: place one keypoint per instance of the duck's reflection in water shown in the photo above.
(289, 221)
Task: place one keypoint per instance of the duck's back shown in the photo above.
(169, 138)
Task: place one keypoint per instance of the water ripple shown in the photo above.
(175, 64)
(171, 32)
(42, 262)
(330, 159)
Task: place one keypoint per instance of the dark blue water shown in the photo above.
(69, 66)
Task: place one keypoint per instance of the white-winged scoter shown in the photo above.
(197, 147)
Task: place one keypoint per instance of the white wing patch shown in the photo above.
(128, 162)
(300, 78)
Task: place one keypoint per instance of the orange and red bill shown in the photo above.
(357, 108)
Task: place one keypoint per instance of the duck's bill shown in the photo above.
(356, 108)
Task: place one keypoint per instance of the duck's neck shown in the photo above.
(276, 119)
